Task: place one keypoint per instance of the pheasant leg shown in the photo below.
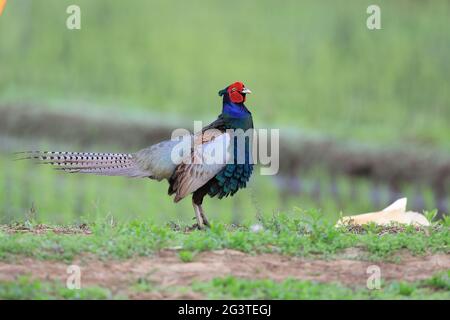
(198, 215)
(205, 220)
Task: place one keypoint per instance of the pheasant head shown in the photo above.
(235, 93)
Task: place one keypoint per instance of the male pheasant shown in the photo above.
(219, 178)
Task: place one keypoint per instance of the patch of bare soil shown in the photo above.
(165, 270)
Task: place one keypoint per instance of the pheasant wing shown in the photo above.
(208, 158)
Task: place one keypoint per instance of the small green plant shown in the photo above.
(405, 289)
(142, 285)
(186, 256)
(431, 215)
(440, 281)
(446, 221)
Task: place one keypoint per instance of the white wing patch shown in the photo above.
(208, 160)
(215, 151)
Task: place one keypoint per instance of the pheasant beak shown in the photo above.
(246, 91)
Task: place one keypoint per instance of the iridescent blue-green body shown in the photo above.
(230, 180)
(235, 175)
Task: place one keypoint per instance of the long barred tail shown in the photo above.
(109, 164)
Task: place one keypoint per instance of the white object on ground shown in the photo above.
(396, 212)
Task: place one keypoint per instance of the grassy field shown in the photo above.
(306, 235)
(143, 248)
(304, 60)
(434, 288)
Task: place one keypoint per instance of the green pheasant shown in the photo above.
(217, 179)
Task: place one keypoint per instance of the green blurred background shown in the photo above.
(314, 67)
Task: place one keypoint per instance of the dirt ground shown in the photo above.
(166, 270)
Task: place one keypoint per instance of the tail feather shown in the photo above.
(76, 157)
(110, 164)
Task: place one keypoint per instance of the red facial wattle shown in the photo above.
(235, 92)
